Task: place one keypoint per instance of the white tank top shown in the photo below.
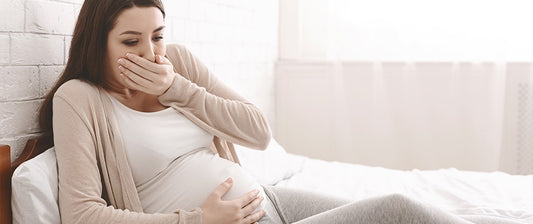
(154, 139)
(172, 165)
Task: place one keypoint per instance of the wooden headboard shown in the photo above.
(5, 186)
(33, 148)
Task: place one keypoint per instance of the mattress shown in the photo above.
(494, 194)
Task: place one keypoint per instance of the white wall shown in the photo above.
(237, 39)
(423, 115)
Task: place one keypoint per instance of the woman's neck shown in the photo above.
(122, 92)
(134, 99)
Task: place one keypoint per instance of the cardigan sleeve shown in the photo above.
(80, 184)
(196, 91)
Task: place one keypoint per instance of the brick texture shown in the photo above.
(19, 83)
(37, 49)
(4, 48)
(19, 117)
(12, 15)
(48, 76)
(50, 17)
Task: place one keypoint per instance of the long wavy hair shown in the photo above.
(89, 46)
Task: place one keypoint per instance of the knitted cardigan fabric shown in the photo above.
(95, 181)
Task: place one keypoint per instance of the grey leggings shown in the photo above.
(304, 207)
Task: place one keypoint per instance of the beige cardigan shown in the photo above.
(93, 169)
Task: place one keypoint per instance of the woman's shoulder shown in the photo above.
(76, 90)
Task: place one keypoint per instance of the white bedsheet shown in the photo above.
(493, 194)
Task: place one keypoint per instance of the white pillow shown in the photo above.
(34, 190)
(271, 165)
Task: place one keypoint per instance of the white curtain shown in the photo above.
(416, 30)
(429, 114)
(425, 84)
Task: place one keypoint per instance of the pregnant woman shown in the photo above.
(143, 133)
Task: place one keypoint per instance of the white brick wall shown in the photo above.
(19, 117)
(37, 49)
(12, 15)
(4, 48)
(50, 17)
(237, 39)
(47, 77)
(13, 78)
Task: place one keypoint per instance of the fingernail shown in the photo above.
(120, 68)
(229, 180)
(120, 61)
(128, 55)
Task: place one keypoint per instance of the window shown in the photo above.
(407, 30)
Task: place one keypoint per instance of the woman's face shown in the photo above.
(138, 30)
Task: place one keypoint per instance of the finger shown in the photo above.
(247, 198)
(162, 60)
(158, 59)
(132, 84)
(253, 205)
(136, 78)
(223, 188)
(147, 74)
(252, 218)
(143, 62)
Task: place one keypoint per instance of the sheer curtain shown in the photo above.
(416, 30)
(424, 84)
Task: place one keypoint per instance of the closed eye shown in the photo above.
(130, 42)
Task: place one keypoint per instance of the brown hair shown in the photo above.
(88, 47)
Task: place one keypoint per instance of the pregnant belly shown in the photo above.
(188, 181)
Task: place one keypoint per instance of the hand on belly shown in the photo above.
(216, 170)
(189, 182)
(241, 210)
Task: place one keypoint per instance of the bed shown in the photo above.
(482, 194)
(33, 148)
(466, 193)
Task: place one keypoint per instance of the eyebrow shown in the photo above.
(138, 33)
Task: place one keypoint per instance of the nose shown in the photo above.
(147, 51)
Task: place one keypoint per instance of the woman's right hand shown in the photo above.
(237, 211)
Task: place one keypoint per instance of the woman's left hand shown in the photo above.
(146, 76)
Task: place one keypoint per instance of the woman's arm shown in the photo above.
(80, 185)
(197, 91)
(194, 91)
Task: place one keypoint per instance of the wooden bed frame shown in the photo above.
(33, 148)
